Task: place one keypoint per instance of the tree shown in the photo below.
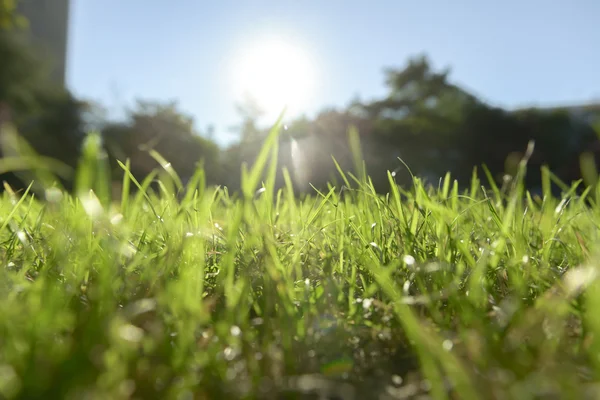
(250, 112)
(164, 128)
(44, 113)
(420, 100)
(9, 18)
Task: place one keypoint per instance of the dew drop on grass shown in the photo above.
(409, 260)
(578, 279)
(406, 287)
(141, 306)
(53, 195)
(116, 219)
(447, 345)
(560, 206)
(235, 331)
(91, 205)
(229, 353)
(131, 333)
(22, 237)
(231, 374)
(127, 250)
(260, 191)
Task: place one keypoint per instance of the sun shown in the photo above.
(276, 74)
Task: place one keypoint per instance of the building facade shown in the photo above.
(49, 29)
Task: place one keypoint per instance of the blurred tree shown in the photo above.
(420, 100)
(430, 123)
(250, 112)
(9, 18)
(44, 112)
(164, 128)
(421, 117)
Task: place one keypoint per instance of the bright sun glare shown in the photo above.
(276, 74)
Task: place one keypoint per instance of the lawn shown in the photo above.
(189, 292)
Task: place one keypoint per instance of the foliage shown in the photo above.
(346, 294)
(425, 122)
(162, 128)
(45, 114)
(434, 126)
(9, 17)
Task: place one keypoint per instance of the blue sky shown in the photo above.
(510, 52)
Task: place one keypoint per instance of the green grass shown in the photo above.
(186, 292)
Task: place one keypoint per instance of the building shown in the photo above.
(49, 29)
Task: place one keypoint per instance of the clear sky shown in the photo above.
(510, 52)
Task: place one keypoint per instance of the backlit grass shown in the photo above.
(188, 292)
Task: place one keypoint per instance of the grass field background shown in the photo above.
(189, 292)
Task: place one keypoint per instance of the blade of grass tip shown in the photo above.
(412, 176)
(475, 184)
(358, 180)
(355, 148)
(495, 217)
(269, 184)
(546, 183)
(20, 158)
(245, 178)
(319, 209)
(141, 188)
(291, 199)
(558, 212)
(226, 276)
(196, 183)
(9, 191)
(92, 170)
(446, 186)
(126, 186)
(493, 185)
(595, 197)
(516, 197)
(84, 180)
(562, 185)
(397, 199)
(103, 178)
(250, 184)
(10, 215)
(589, 173)
(272, 170)
(454, 197)
(168, 167)
(341, 172)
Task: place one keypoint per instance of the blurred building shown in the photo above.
(49, 28)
